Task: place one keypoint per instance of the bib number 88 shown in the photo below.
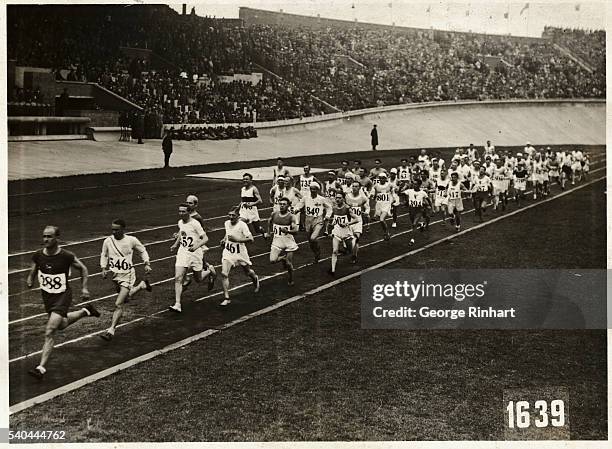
(54, 283)
(520, 417)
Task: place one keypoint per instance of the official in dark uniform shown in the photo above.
(167, 148)
(374, 135)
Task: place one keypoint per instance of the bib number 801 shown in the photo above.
(520, 417)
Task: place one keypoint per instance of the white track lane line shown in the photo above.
(216, 266)
(264, 278)
(156, 228)
(114, 369)
(138, 231)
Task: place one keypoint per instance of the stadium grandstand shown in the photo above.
(269, 66)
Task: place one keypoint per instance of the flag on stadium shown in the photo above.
(577, 7)
(525, 8)
(428, 9)
(506, 15)
(390, 5)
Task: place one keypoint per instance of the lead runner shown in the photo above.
(52, 265)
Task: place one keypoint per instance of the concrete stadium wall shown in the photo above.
(455, 124)
(400, 127)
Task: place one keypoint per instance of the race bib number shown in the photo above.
(232, 247)
(383, 197)
(441, 193)
(305, 184)
(415, 203)
(356, 210)
(278, 230)
(454, 194)
(186, 241)
(120, 264)
(340, 220)
(244, 206)
(52, 283)
(482, 187)
(313, 211)
(520, 182)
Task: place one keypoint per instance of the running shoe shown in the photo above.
(35, 372)
(107, 336)
(92, 310)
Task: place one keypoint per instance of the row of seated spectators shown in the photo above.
(213, 132)
(29, 102)
(348, 68)
(590, 45)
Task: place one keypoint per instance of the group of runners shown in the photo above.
(340, 206)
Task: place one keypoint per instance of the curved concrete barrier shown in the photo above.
(458, 124)
(560, 122)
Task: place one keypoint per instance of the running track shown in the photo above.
(83, 356)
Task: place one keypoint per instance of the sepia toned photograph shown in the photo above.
(306, 221)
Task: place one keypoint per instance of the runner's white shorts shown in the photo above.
(520, 185)
(249, 214)
(440, 201)
(125, 279)
(499, 187)
(382, 207)
(241, 258)
(357, 228)
(311, 222)
(455, 205)
(190, 260)
(342, 233)
(284, 243)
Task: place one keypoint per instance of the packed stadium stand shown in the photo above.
(186, 69)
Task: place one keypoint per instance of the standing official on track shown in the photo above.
(167, 147)
(374, 136)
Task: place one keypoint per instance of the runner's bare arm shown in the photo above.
(79, 266)
(293, 229)
(176, 242)
(31, 274)
(258, 196)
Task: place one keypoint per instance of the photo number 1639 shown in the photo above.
(521, 415)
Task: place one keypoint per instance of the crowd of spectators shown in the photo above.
(321, 70)
(394, 67)
(590, 45)
(213, 132)
(183, 99)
